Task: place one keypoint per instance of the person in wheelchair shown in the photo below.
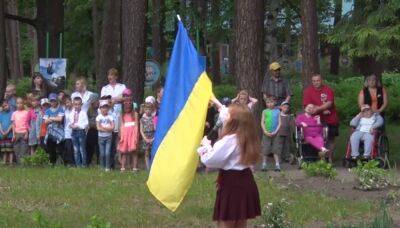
(312, 129)
(365, 123)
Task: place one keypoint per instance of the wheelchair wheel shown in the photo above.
(383, 151)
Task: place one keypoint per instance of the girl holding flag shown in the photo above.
(237, 150)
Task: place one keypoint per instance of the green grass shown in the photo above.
(68, 197)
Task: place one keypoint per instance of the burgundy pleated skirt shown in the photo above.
(237, 196)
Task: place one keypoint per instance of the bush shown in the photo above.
(370, 176)
(23, 86)
(274, 214)
(319, 168)
(39, 159)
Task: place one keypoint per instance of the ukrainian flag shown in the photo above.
(180, 126)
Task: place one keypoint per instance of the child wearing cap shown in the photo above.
(129, 135)
(6, 145)
(147, 130)
(105, 127)
(270, 124)
(285, 130)
(44, 105)
(20, 121)
(55, 135)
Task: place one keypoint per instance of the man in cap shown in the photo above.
(275, 86)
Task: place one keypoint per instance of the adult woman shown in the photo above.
(234, 154)
(114, 89)
(82, 92)
(39, 86)
(373, 94)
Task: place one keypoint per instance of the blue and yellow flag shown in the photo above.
(180, 126)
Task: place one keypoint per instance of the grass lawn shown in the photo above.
(69, 197)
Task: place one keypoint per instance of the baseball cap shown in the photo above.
(44, 101)
(52, 96)
(274, 66)
(127, 92)
(285, 103)
(103, 103)
(150, 99)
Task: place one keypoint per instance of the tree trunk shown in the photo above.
(216, 75)
(3, 57)
(368, 65)
(201, 25)
(157, 29)
(49, 28)
(96, 35)
(134, 46)
(309, 27)
(32, 36)
(110, 40)
(13, 43)
(271, 31)
(249, 42)
(335, 49)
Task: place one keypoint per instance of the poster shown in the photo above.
(54, 73)
(152, 72)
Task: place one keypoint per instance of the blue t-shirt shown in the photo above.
(5, 121)
(53, 112)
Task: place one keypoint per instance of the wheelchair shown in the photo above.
(380, 150)
(304, 151)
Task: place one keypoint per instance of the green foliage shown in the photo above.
(42, 222)
(224, 90)
(23, 86)
(97, 222)
(319, 168)
(39, 159)
(370, 176)
(274, 215)
(372, 31)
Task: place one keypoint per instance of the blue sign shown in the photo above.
(152, 72)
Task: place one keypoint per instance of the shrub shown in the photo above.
(23, 86)
(274, 214)
(319, 168)
(370, 176)
(224, 90)
(40, 158)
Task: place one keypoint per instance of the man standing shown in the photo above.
(276, 87)
(322, 97)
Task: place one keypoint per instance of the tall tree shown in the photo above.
(215, 10)
(157, 30)
(13, 40)
(335, 49)
(110, 39)
(271, 34)
(96, 34)
(49, 25)
(3, 57)
(134, 45)
(309, 25)
(249, 42)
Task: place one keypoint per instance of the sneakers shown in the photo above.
(277, 168)
(122, 170)
(108, 170)
(264, 167)
(135, 170)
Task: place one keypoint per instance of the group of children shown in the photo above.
(72, 131)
